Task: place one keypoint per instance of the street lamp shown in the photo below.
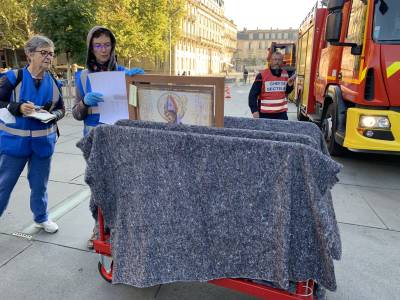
(170, 42)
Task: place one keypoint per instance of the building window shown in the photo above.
(250, 36)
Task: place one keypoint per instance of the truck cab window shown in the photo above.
(387, 21)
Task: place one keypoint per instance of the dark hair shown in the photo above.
(101, 31)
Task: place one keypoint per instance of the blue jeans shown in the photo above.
(11, 168)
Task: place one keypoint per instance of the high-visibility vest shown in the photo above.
(273, 93)
(28, 135)
(83, 84)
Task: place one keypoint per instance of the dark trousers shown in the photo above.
(280, 116)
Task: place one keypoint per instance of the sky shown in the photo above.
(265, 14)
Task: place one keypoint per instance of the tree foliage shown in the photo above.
(141, 27)
(15, 22)
(66, 23)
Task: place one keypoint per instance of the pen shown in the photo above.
(36, 107)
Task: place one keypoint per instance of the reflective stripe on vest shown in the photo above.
(44, 132)
(93, 110)
(27, 133)
(88, 127)
(83, 78)
(15, 131)
(273, 93)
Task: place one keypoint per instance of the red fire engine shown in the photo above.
(348, 66)
(288, 51)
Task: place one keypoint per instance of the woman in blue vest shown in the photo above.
(24, 139)
(101, 57)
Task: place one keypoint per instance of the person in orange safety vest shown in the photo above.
(267, 97)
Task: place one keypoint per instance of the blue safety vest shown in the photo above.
(28, 135)
(83, 84)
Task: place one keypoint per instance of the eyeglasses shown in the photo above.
(45, 53)
(98, 47)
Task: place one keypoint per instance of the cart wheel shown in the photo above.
(107, 276)
(319, 292)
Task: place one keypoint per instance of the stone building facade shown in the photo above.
(252, 46)
(206, 44)
(208, 40)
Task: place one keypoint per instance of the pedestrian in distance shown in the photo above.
(268, 94)
(24, 139)
(245, 75)
(101, 57)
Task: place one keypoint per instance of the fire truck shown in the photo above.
(348, 67)
(288, 51)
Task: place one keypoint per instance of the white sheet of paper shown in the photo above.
(112, 86)
(6, 116)
(45, 117)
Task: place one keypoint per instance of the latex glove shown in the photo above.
(134, 71)
(92, 98)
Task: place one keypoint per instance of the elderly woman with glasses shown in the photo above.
(23, 138)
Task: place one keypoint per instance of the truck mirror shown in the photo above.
(335, 4)
(356, 49)
(333, 27)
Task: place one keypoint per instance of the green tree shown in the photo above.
(15, 23)
(67, 23)
(141, 27)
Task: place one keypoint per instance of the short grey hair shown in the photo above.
(37, 41)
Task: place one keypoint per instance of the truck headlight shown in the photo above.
(380, 122)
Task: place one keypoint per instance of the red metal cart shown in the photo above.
(304, 290)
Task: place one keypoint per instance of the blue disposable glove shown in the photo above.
(134, 71)
(92, 98)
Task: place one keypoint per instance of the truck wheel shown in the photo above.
(329, 128)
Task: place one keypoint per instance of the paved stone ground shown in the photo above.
(367, 204)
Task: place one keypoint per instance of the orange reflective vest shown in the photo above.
(273, 93)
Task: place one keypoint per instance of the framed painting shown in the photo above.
(177, 99)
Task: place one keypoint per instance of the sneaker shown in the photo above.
(48, 226)
(89, 244)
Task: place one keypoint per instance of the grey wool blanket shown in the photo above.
(188, 203)
(294, 127)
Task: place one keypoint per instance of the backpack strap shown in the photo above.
(83, 79)
(17, 87)
(56, 90)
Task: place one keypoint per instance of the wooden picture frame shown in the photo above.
(177, 99)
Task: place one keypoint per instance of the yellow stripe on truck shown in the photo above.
(393, 69)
